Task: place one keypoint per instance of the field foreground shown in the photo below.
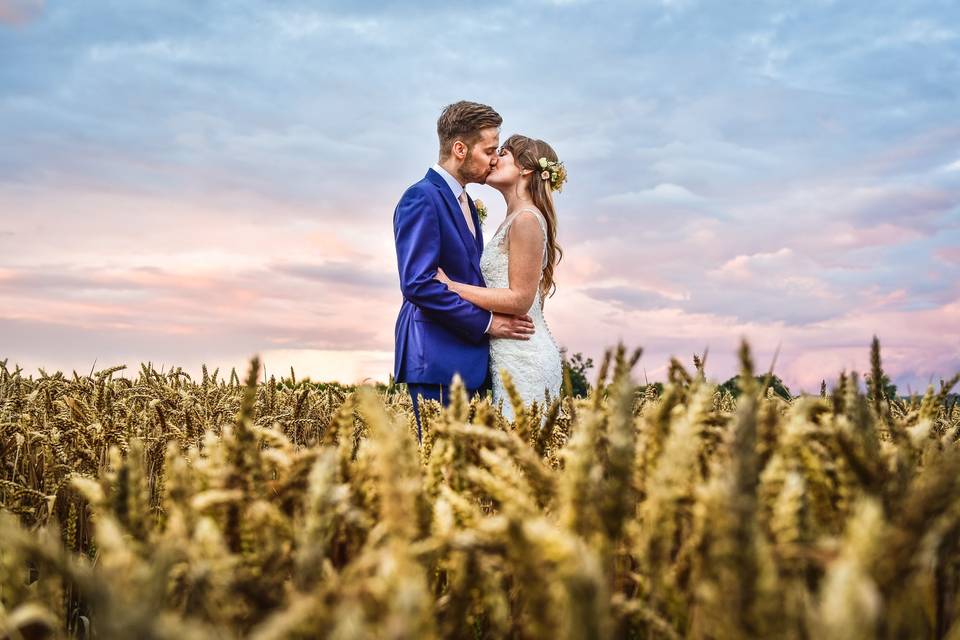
(163, 507)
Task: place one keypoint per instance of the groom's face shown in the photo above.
(482, 156)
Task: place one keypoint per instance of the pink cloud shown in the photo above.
(889, 299)
(19, 11)
(196, 279)
(949, 254)
(884, 234)
(917, 345)
(745, 267)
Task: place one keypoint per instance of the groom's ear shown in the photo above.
(459, 149)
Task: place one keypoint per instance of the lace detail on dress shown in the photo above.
(535, 364)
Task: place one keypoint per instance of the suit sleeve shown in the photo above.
(416, 230)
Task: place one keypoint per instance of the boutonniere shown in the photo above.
(481, 209)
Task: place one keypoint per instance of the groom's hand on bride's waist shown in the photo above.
(512, 327)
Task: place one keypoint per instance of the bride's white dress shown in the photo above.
(534, 365)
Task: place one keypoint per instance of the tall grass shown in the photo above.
(162, 507)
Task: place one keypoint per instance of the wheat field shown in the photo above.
(158, 506)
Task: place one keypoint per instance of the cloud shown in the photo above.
(16, 12)
(914, 343)
(746, 267)
(950, 255)
(633, 297)
(664, 193)
(194, 181)
(763, 48)
(162, 49)
(916, 203)
(254, 306)
(329, 364)
(64, 346)
(339, 273)
(919, 32)
(56, 282)
(301, 24)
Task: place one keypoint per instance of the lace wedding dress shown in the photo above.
(535, 364)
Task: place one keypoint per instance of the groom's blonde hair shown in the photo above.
(463, 121)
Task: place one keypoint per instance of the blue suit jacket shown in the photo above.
(438, 333)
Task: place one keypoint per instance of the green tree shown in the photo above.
(577, 367)
(889, 389)
(775, 383)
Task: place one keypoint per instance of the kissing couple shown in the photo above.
(471, 308)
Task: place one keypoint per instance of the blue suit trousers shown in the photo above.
(440, 393)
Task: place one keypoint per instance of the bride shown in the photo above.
(517, 265)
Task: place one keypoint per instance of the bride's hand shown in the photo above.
(442, 277)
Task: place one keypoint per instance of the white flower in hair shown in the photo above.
(555, 172)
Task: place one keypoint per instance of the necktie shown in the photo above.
(465, 207)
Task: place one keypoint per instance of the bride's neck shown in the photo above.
(516, 200)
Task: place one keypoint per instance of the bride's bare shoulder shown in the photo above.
(525, 228)
(527, 220)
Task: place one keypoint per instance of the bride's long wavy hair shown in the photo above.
(526, 154)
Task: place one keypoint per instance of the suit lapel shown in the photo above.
(469, 242)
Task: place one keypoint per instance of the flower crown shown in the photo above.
(555, 172)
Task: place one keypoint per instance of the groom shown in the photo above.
(435, 224)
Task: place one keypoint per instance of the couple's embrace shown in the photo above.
(468, 308)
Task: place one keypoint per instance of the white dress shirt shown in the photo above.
(457, 189)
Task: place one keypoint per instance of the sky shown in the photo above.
(195, 182)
